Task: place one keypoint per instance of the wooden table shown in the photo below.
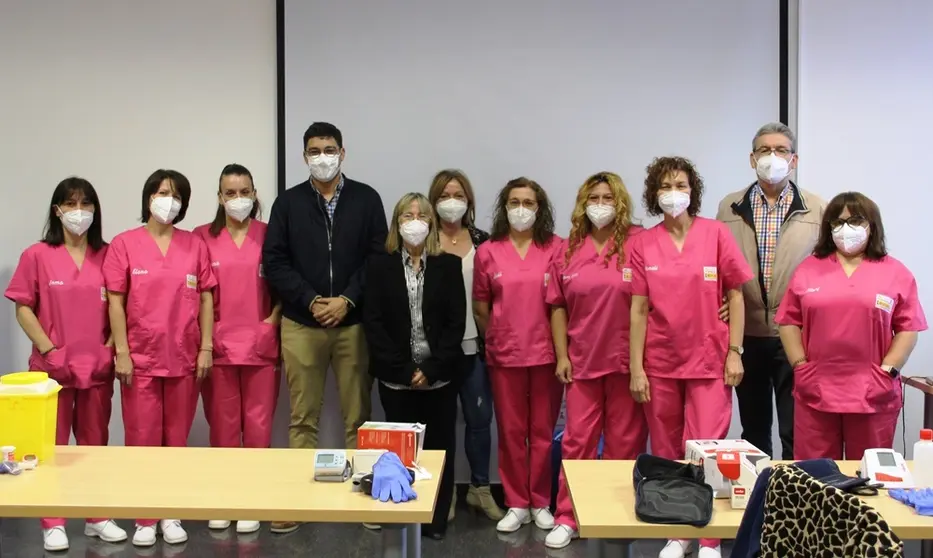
(211, 483)
(604, 505)
(925, 385)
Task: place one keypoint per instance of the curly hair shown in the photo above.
(580, 226)
(661, 168)
(543, 229)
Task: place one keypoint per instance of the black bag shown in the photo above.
(671, 493)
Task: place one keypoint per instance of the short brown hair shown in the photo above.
(859, 205)
(658, 170)
(440, 182)
(543, 229)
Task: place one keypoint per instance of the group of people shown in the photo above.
(646, 332)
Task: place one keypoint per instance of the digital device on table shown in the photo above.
(887, 468)
(331, 466)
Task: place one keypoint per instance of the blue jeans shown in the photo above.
(476, 402)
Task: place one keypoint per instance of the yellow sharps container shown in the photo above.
(29, 413)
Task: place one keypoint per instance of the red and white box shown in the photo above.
(404, 439)
(731, 467)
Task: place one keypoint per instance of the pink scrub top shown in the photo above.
(518, 333)
(847, 325)
(71, 305)
(242, 300)
(597, 297)
(685, 337)
(163, 298)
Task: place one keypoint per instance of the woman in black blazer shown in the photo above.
(414, 319)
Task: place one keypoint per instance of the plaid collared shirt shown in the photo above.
(768, 221)
(331, 206)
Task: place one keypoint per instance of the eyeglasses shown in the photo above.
(781, 151)
(853, 221)
(406, 217)
(329, 151)
(528, 204)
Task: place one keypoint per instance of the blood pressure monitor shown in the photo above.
(887, 468)
(331, 466)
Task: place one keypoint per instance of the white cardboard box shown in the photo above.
(750, 461)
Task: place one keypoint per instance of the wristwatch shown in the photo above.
(740, 350)
(893, 372)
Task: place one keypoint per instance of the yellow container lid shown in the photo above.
(24, 378)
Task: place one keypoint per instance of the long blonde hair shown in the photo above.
(440, 181)
(580, 226)
(394, 243)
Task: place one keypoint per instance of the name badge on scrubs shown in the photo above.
(192, 281)
(627, 274)
(103, 294)
(710, 273)
(885, 303)
(547, 279)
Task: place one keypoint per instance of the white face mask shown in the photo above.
(850, 240)
(521, 218)
(77, 221)
(414, 232)
(324, 167)
(239, 209)
(674, 203)
(600, 215)
(164, 209)
(452, 210)
(772, 169)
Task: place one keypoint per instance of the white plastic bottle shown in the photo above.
(922, 468)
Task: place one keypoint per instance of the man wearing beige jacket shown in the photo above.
(776, 225)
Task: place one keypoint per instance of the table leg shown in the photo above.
(619, 548)
(926, 549)
(401, 541)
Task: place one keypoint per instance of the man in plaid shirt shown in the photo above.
(776, 225)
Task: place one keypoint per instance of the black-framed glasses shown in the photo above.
(329, 151)
(852, 221)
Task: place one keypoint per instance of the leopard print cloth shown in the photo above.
(804, 518)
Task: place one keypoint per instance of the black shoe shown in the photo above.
(432, 533)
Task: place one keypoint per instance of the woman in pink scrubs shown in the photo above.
(684, 359)
(849, 321)
(162, 315)
(240, 394)
(509, 285)
(588, 289)
(61, 304)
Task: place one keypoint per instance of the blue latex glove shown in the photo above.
(391, 479)
(921, 499)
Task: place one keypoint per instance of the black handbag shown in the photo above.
(671, 493)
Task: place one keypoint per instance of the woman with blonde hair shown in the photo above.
(414, 319)
(589, 290)
(451, 195)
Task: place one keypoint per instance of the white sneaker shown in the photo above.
(107, 531)
(543, 518)
(55, 539)
(710, 552)
(676, 548)
(513, 520)
(560, 536)
(145, 535)
(244, 527)
(218, 524)
(372, 526)
(172, 531)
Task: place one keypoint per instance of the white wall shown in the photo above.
(865, 114)
(550, 89)
(110, 91)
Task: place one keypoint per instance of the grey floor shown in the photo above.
(470, 536)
